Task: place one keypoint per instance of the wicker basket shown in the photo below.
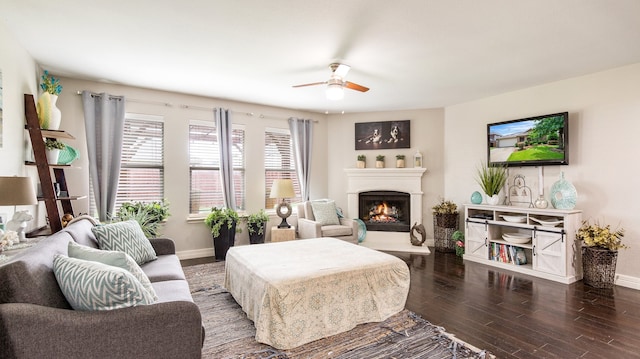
(599, 267)
(443, 227)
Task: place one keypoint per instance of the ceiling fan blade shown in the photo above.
(311, 84)
(342, 70)
(353, 86)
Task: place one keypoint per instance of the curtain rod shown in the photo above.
(166, 104)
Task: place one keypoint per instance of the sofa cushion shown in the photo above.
(80, 229)
(336, 231)
(164, 268)
(173, 290)
(28, 276)
(112, 258)
(325, 212)
(126, 236)
(91, 285)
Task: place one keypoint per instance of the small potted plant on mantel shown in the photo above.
(400, 161)
(53, 148)
(362, 161)
(379, 161)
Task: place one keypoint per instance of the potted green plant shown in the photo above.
(445, 223)
(222, 222)
(53, 148)
(600, 246)
(400, 161)
(256, 223)
(362, 161)
(458, 236)
(149, 215)
(491, 179)
(379, 161)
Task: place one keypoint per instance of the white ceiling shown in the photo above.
(411, 53)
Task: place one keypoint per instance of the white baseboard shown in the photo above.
(196, 253)
(627, 281)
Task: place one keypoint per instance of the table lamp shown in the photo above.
(16, 191)
(283, 188)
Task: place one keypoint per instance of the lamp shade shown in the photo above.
(15, 191)
(282, 188)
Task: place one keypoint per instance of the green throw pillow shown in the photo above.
(112, 258)
(91, 285)
(325, 212)
(125, 237)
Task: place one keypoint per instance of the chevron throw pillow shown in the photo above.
(96, 286)
(126, 236)
(112, 258)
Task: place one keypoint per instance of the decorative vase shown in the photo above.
(563, 194)
(541, 202)
(493, 200)
(476, 197)
(599, 267)
(400, 163)
(52, 156)
(361, 164)
(49, 115)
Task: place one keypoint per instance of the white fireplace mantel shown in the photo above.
(407, 180)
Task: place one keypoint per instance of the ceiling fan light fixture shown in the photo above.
(335, 92)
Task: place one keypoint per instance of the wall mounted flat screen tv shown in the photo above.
(533, 141)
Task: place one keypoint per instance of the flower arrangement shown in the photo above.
(602, 236)
(445, 207)
(50, 84)
(53, 144)
(458, 236)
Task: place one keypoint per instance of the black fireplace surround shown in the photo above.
(386, 211)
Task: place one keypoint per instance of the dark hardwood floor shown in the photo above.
(517, 316)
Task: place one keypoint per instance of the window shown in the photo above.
(278, 163)
(204, 167)
(142, 166)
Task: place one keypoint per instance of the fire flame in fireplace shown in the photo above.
(383, 213)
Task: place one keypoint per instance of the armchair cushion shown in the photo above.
(325, 212)
(336, 231)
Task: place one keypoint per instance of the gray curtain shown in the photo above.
(302, 136)
(225, 141)
(104, 123)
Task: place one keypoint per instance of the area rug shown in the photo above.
(230, 334)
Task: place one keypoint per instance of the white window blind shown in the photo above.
(278, 163)
(142, 166)
(204, 168)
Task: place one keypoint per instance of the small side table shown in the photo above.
(283, 234)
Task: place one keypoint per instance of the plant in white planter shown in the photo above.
(362, 161)
(53, 148)
(491, 179)
(400, 161)
(379, 161)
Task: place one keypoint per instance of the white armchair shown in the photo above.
(324, 224)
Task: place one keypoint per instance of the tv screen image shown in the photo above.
(533, 141)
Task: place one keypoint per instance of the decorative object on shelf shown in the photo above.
(519, 192)
(362, 161)
(599, 253)
(17, 191)
(458, 236)
(423, 234)
(382, 135)
(8, 239)
(379, 161)
(53, 148)
(283, 188)
(48, 114)
(445, 223)
(399, 161)
(417, 159)
(476, 197)
(256, 223)
(222, 222)
(66, 218)
(491, 179)
(541, 202)
(563, 194)
(67, 155)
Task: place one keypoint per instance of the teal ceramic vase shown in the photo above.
(563, 194)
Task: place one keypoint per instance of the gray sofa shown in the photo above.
(36, 321)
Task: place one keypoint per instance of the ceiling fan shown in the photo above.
(336, 83)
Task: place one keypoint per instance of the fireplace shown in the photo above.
(386, 211)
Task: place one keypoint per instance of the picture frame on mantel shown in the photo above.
(383, 135)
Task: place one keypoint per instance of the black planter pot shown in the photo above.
(255, 238)
(226, 239)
